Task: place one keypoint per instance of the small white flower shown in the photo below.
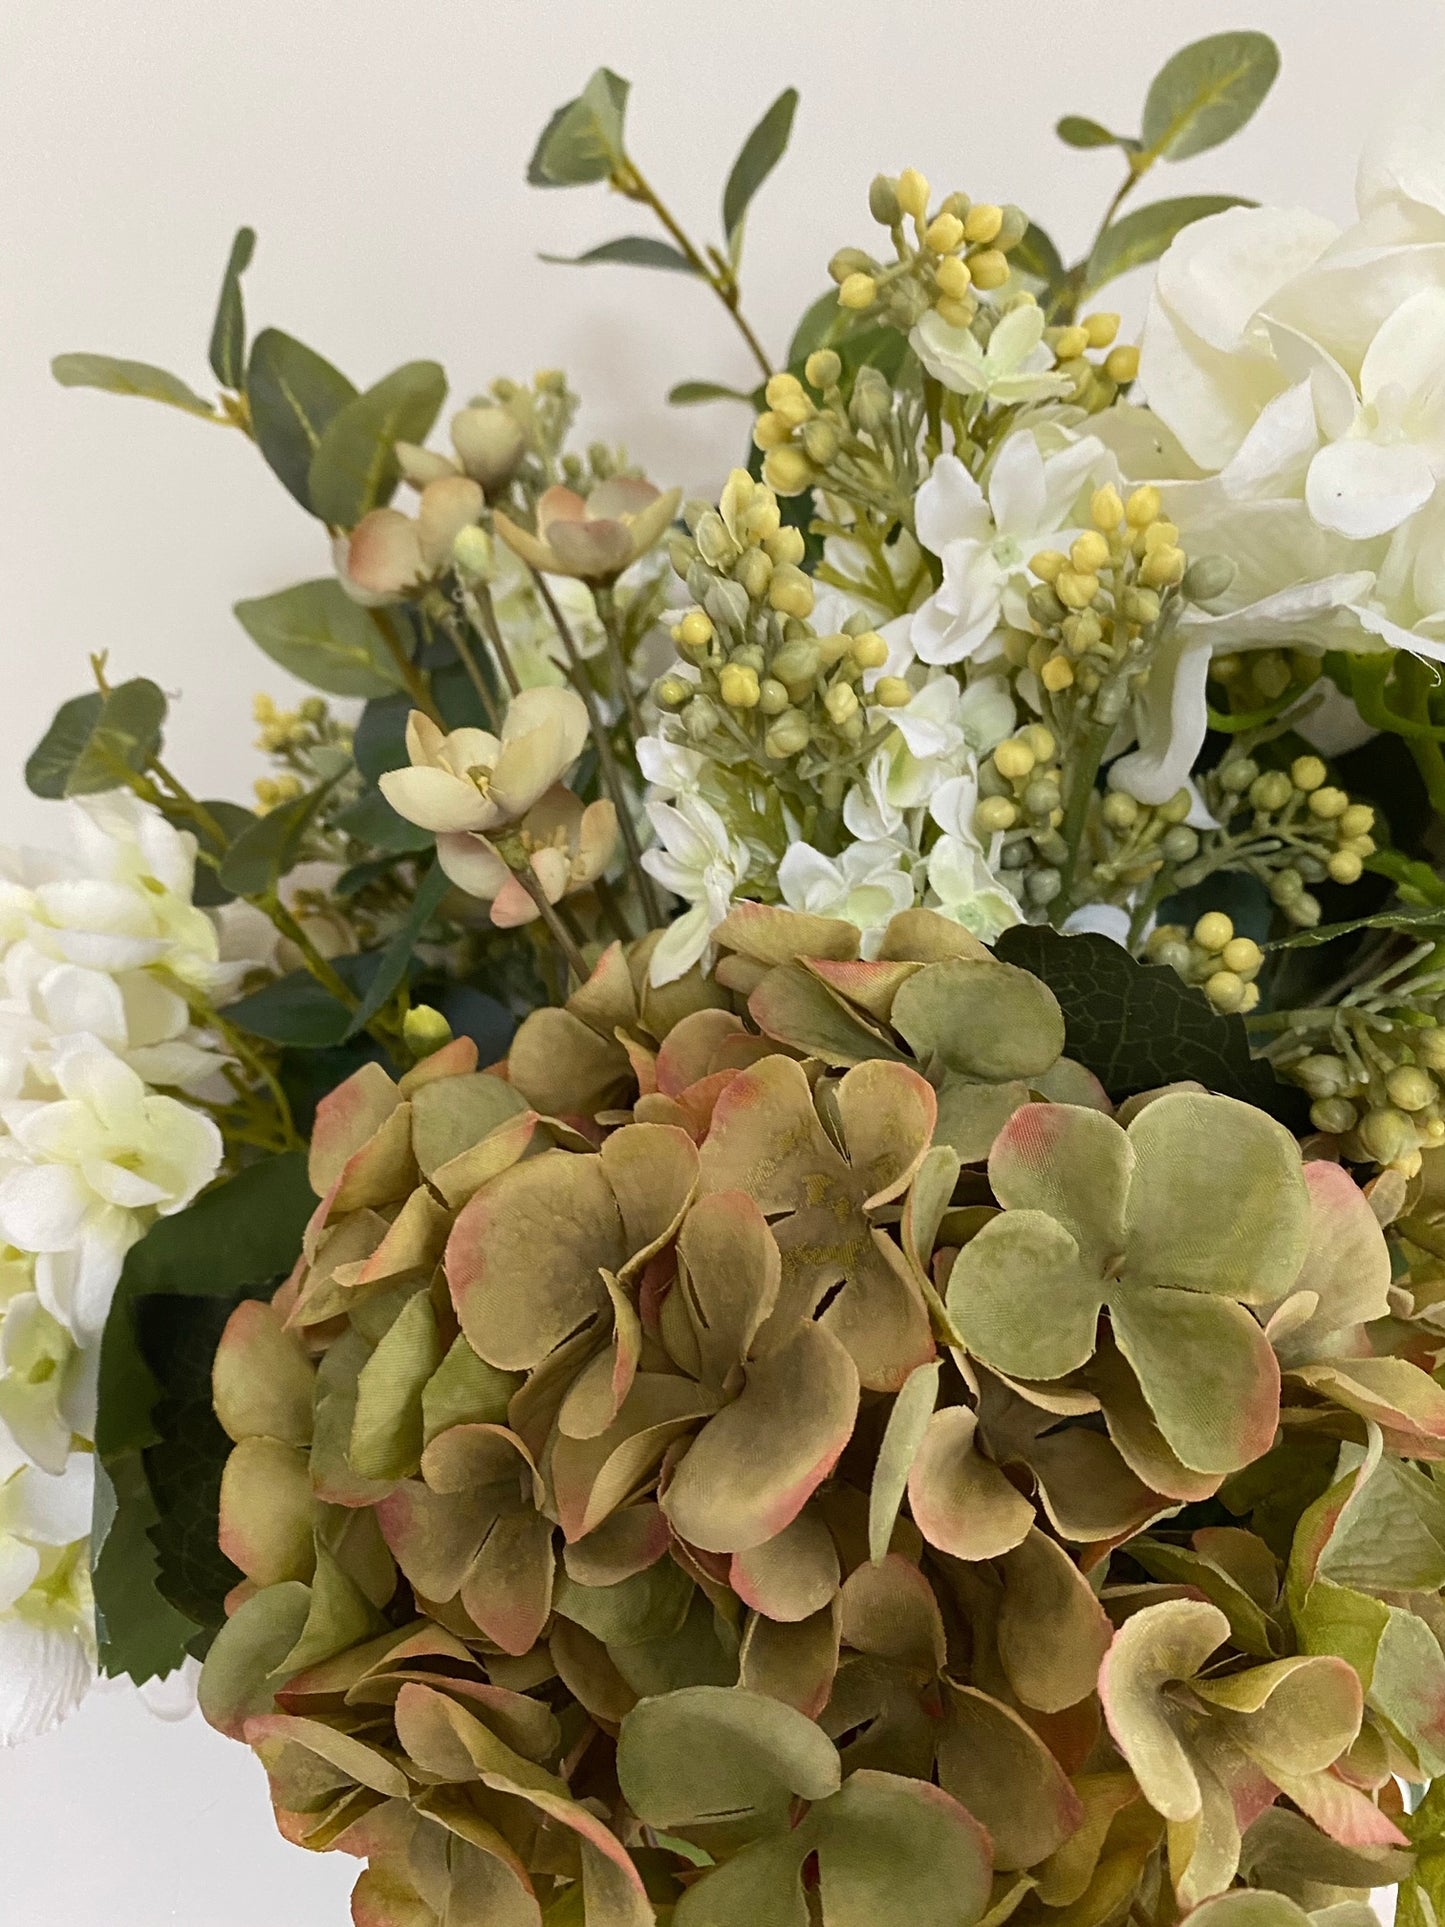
(985, 536)
(866, 885)
(1014, 367)
(959, 874)
(703, 863)
(669, 767)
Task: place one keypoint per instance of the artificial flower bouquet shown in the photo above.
(766, 1245)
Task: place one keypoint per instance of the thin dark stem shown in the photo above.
(454, 631)
(415, 681)
(560, 935)
(481, 595)
(612, 627)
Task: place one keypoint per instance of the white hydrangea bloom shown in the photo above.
(101, 949)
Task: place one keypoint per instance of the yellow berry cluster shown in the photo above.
(1096, 384)
(273, 791)
(1379, 1091)
(285, 729)
(759, 666)
(1264, 676)
(945, 257)
(1211, 955)
(1297, 814)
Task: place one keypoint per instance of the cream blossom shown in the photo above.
(391, 553)
(489, 444)
(468, 779)
(567, 845)
(700, 860)
(1014, 366)
(595, 537)
(985, 535)
(866, 884)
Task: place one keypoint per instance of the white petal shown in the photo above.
(49, 1509)
(1405, 364)
(19, 1565)
(472, 865)
(949, 505)
(84, 1000)
(1219, 272)
(1016, 487)
(808, 879)
(42, 1207)
(1172, 721)
(1275, 455)
(1404, 158)
(680, 946)
(45, 1672)
(173, 1698)
(435, 800)
(1360, 489)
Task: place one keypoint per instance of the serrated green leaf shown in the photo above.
(1138, 1026)
(354, 468)
(294, 394)
(262, 854)
(1206, 92)
(1142, 236)
(632, 251)
(228, 335)
(583, 140)
(295, 1010)
(397, 956)
(687, 394)
(129, 378)
(95, 738)
(1037, 255)
(1077, 130)
(315, 630)
(1425, 921)
(760, 154)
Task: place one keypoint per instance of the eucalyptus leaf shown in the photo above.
(397, 955)
(129, 378)
(822, 323)
(293, 394)
(1423, 921)
(687, 394)
(583, 140)
(95, 738)
(1037, 255)
(262, 854)
(315, 630)
(294, 1010)
(354, 467)
(630, 250)
(1077, 130)
(1143, 235)
(228, 335)
(761, 152)
(232, 820)
(1206, 92)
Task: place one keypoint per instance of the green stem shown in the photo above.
(454, 632)
(561, 936)
(481, 597)
(612, 627)
(417, 686)
(1065, 304)
(1415, 687)
(1086, 763)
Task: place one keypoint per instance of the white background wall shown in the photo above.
(379, 147)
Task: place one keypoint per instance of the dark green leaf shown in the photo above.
(1424, 922)
(397, 956)
(232, 819)
(1143, 236)
(240, 1239)
(1137, 1026)
(1077, 130)
(1206, 92)
(315, 630)
(129, 378)
(823, 321)
(371, 819)
(262, 854)
(583, 140)
(294, 393)
(1037, 255)
(761, 152)
(294, 1010)
(380, 740)
(354, 468)
(228, 335)
(94, 738)
(632, 251)
(686, 394)
(1417, 882)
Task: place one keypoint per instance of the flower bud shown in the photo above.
(1139, 606)
(913, 192)
(738, 686)
(820, 442)
(943, 233)
(858, 291)
(1057, 674)
(425, 1030)
(994, 815)
(849, 261)
(671, 692)
(1120, 811)
(700, 718)
(473, 553)
(983, 223)
(841, 703)
(871, 402)
(1045, 607)
(1144, 506)
(883, 202)
(797, 661)
(1089, 552)
(990, 270)
(754, 570)
(1106, 509)
(1162, 567)
(695, 631)
(773, 699)
(1042, 886)
(1213, 930)
(788, 735)
(1076, 588)
(1387, 1136)
(791, 592)
(786, 544)
(1328, 803)
(953, 277)
(823, 368)
(870, 651)
(1345, 866)
(788, 471)
(1225, 991)
(727, 602)
(1070, 343)
(771, 430)
(489, 444)
(1208, 578)
(714, 540)
(1122, 365)
(1307, 773)
(892, 692)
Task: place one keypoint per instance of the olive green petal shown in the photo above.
(1024, 1299)
(888, 1114)
(960, 1502)
(1072, 1164)
(986, 1019)
(1207, 1370)
(996, 1765)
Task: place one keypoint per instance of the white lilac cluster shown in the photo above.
(103, 956)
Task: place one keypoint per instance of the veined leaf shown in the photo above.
(1206, 92)
(232, 819)
(761, 152)
(95, 738)
(228, 335)
(315, 630)
(294, 393)
(261, 855)
(1143, 235)
(632, 251)
(354, 468)
(822, 324)
(583, 140)
(1425, 921)
(1077, 130)
(1037, 255)
(129, 378)
(294, 1010)
(687, 394)
(398, 953)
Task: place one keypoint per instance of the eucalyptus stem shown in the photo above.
(480, 597)
(258, 1067)
(607, 761)
(454, 632)
(606, 603)
(414, 680)
(561, 936)
(1088, 758)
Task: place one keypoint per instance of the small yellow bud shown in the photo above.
(773, 699)
(671, 692)
(739, 686)
(1225, 991)
(787, 470)
(954, 277)
(1345, 867)
(425, 1030)
(858, 291)
(943, 233)
(782, 389)
(1015, 759)
(1057, 674)
(913, 192)
(823, 368)
(754, 571)
(1106, 509)
(958, 314)
(1163, 567)
(788, 735)
(1411, 1088)
(870, 651)
(892, 692)
(1358, 820)
(796, 410)
(990, 270)
(791, 592)
(1040, 740)
(785, 544)
(1159, 535)
(1328, 804)
(1090, 552)
(1120, 811)
(841, 703)
(1214, 930)
(1047, 564)
(1307, 773)
(982, 223)
(263, 708)
(1101, 328)
(771, 430)
(995, 813)
(1076, 588)
(1122, 365)
(1242, 955)
(695, 631)
(1144, 506)
(1070, 343)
